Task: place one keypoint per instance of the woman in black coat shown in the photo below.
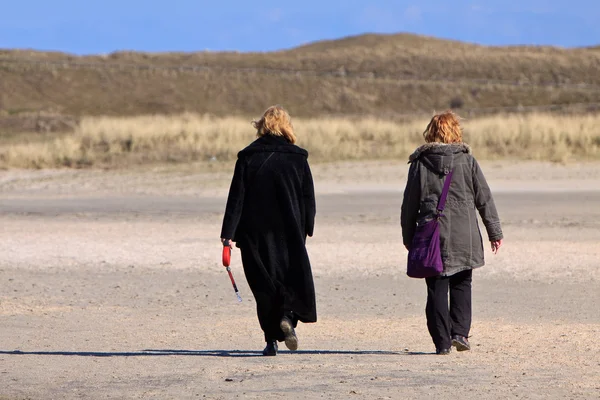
(270, 212)
(460, 239)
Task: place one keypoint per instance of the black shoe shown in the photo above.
(291, 340)
(271, 349)
(461, 343)
(443, 352)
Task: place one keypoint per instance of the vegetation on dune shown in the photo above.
(377, 75)
(363, 97)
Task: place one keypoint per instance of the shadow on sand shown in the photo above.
(205, 353)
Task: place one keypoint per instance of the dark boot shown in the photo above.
(461, 343)
(271, 349)
(291, 340)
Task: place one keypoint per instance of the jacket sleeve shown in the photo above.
(235, 202)
(485, 204)
(411, 204)
(310, 206)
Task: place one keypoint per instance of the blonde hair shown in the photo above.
(277, 122)
(444, 128)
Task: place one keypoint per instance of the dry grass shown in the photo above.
(125, 141)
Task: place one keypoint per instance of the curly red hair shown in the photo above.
(444, 128)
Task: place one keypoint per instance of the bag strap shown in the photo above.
(445, 190)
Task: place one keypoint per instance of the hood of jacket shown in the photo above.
(439, 157)
(270, 143)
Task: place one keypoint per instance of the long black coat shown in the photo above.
(460, 239)
(270, 211)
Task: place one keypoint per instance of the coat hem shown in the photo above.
(461, 269)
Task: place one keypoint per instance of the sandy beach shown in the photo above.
(111, 287)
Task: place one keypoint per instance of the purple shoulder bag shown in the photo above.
(425, 256)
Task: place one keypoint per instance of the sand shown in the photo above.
(111, 287)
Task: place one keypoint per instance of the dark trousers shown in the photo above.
(444, 321)
(269, 300)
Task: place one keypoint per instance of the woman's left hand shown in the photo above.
(496, 244)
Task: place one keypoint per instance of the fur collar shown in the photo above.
(439, 148)
(270, 143)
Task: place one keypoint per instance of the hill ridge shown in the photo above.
(367, 74)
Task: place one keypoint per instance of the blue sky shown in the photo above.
(86, 27)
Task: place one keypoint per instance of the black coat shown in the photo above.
(270, 211)
(460, 239)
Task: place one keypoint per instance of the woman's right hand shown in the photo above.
(496, 244)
